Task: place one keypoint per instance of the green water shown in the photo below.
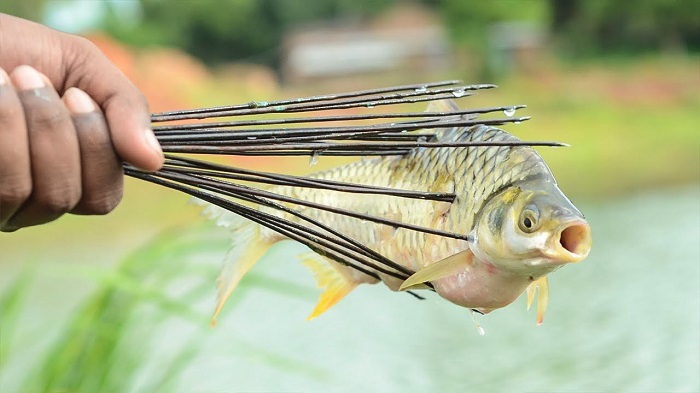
(625, 320)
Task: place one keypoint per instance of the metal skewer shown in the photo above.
(396, 133)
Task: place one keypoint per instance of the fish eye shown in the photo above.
(528, 220)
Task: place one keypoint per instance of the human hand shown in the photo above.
(68, 117)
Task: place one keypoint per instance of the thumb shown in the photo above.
(125, 107)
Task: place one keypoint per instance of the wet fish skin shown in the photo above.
(496, 189)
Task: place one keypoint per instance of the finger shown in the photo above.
(136, 144)
(101, 171)
(124, 106)
(53, 151)
(15, 170)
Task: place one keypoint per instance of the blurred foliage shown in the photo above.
(108, 341)
(221, 31)
(29, 9)
(468, 21)
(218, 31)
(599, 27)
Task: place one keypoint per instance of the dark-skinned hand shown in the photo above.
(68, 118)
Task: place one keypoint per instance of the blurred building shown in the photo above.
(407, 38)
(515, 46)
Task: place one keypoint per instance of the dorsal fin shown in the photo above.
(445, 105)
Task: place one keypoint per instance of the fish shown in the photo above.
(518, 226)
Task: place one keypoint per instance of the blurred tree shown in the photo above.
(219, 31)
(473, 24)
(251, 30)
(469, 21)
(28, 9)
(595, 27)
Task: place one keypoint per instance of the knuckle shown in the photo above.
(83, 43)
(141, 98)
(102, 205)
(8, 110)
(138, 99)
(92, 131)
(81, 48)
(46, 116)
(58, 201)
(15, 193)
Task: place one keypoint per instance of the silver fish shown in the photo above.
(518, 225)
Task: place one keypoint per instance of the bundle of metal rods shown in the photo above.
(242, 130)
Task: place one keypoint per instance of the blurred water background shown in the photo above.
(122, 302)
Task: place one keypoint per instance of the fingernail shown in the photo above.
(153, 142)
(27, 78)
(78, 101)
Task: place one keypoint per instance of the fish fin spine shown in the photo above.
(219, 215)
(446, 105)
(541, 288)
(336, 285)
(453, 264)
(246, 249)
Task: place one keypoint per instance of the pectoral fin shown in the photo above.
(442, 268)
(335, 283)
(541, 286)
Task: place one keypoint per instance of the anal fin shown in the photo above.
(335, 284)
(541, 286)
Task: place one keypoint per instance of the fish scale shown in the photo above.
(479, 172)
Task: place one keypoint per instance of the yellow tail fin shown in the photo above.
(335, 283)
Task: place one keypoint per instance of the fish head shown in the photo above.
(530, 228)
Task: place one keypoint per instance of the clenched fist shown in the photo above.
(68, 118)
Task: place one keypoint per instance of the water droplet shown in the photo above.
(509, 111)
(252, 137)
(263, 104)
(476, 323)
(458, 93)
(422, 89)
(517, 122)
(370, 105)
(313, 158)
(280, 108)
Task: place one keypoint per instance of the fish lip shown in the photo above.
(571, 243)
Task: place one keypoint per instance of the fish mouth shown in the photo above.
(572, 242)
